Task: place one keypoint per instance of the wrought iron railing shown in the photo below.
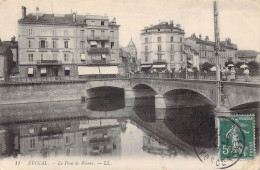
(97, 50)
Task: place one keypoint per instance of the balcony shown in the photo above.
(97, 38)
(97, 50)
(49, 62)
(159, 61)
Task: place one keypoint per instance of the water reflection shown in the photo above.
(74, 132)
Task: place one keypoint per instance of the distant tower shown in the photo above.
(216, 30)
(131, 48)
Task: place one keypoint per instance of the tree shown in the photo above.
(206, 66)
(253, 67)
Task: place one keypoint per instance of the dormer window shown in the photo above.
(102, 23)
(158, 29)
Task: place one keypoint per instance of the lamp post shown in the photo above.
(216, 31)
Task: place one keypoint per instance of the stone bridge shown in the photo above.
(233, 94)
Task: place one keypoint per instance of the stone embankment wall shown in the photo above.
(30, 93)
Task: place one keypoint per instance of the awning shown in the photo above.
(145, 66)
(93, 43)
(189, 61)
(67, 68)
(83, 57)
(30, 70)
(43, 71)
(108, 69)
(159, 66)
(85, 70)
(104, 56)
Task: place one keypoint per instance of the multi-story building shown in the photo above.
(67, 45)
(162, 47)
(206, 48)
(6, 61)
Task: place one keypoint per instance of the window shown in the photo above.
(43, 44)
(146, 48)
(172, 57)
(66, 57)
(93, 33)
(32, 143)
(112, 56)
(31, 130)
(159, 57)
(54, 44)
(146, 40)
(66, 44)
(45, 143)
(67, 139)
(42, 31)
(57, 141)
(54, 32)
(181, 48)
(30, 31)
(114, 146)
(66, 32)
(82, 44)
(180, 39)
(159, 47)
(112, 45)
(30, 43)
(82, 33)
(30, 72)
(103, 44)
(102, 33)
(84, 137)
(56, 153)
(112, 33)
(68, 152)
(54, 56)
(30, 57)
(181, 57)
(171, 39)
(172, 47)
(158, 29)
(67, 71)
(42, 56)
(146, 58)
(102, 23)
(43, 74)
(159, 39)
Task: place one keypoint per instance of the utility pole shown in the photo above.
(216, 30)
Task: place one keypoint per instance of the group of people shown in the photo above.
(230, 74)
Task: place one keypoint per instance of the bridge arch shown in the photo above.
(186, 97)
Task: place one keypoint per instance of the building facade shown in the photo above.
(162, 47)
(6, 61)
(67, 45)
(206, 49)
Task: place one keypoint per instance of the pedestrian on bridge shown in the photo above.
(232, 74)
(246, 73)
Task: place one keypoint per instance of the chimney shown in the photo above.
(178, 26)
(37, 13)
(13, 39)
(207, 38)
(171, 22)
(74, 17)
(1, 43)
(200, 36)
(23, 12)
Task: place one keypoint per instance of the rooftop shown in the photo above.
(163, 25)
(247, 53)
(62, 19)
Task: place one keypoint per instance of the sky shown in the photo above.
(238, 19)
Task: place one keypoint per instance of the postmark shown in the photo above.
(228, 140)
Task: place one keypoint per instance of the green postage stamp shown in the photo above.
(237, 137)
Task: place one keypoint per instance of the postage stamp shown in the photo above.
(237, 137)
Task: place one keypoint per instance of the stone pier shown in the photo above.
(160, 107)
